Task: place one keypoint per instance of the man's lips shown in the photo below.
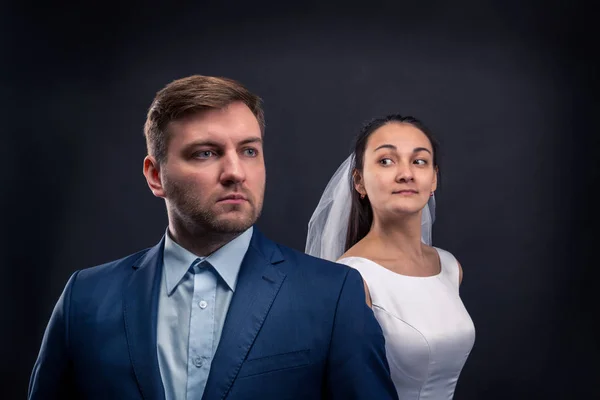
(233, 199)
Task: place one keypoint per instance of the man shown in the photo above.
(215, 310)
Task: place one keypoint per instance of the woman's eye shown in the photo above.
(421, 162)
(385, 161)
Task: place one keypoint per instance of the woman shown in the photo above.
(375, 216)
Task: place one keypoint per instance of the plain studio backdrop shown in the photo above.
(508, 88)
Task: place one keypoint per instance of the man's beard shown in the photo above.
(191, 211)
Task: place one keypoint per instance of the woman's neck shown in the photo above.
(398, 236)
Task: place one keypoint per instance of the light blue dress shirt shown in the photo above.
(194, 298)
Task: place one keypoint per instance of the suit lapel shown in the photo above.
(257, 286)
(140, 309)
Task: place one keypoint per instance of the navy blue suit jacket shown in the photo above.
(297, 328)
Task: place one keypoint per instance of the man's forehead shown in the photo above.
(214, 132)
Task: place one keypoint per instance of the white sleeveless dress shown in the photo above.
(428, 332)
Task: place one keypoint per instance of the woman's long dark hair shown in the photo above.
(361, 213)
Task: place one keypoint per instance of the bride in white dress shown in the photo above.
(375, 216)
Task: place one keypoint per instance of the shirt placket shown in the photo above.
(202, 327)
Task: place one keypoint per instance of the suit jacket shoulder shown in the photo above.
(93, 284)
(310, 264)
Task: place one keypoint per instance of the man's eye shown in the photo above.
(204, 154)
(251, 152)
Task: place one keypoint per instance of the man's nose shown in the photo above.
(233, 170)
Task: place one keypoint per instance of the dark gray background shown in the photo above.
(507, 87)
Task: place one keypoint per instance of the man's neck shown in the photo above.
(200, 242)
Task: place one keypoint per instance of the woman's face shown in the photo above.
(398, 174)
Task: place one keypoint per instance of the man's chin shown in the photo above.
(232, 224)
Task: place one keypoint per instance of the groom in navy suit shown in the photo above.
(215, 310)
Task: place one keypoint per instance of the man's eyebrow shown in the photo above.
(208, 143)
(201, 143)
(251, 140)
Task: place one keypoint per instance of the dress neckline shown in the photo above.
(398, 274)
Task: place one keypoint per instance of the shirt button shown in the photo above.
(198, 362)
(202, 304)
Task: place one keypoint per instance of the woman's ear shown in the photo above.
(358, 183)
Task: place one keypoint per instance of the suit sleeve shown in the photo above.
(357, 367)
(52, 375)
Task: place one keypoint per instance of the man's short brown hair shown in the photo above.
(190, 95)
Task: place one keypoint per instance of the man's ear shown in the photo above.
(152, 174)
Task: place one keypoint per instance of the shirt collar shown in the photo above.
(226, 261)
